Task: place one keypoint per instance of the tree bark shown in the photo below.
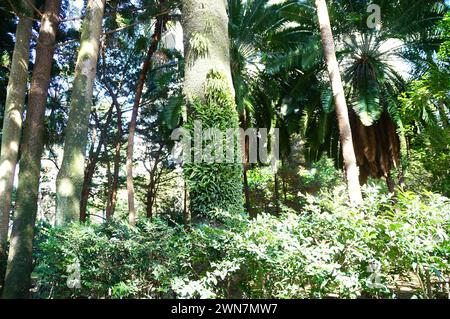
(208, 19)
(17, 280)
(150, 199)
(71, 175)
(186, 212)
(12, 122)
(91, 165)
(112, 198)
(277, 194)
(246, 167)
(348, 152)
(161, 21)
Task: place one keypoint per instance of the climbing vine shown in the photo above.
(215, 186)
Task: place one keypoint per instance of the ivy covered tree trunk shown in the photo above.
(12, 122)
(348, 152)
(17, 280)
(70, 178)
(208, 88)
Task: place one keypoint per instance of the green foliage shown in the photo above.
(214, 186)
(426, 114)
(200, 45)
(116, 261)
(322, 175)
(329, 249)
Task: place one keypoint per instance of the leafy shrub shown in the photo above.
(322, 175)
(116, 261)
(329, 249)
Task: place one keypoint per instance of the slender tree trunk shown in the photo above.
(390, 184)
(150, 199)
(17, 280)
(71, 175)
(443, 114)
(85, 192)
(283, 179)
(246, 167)
(115, 184)
(161, 21)
(92, 164)
(277, 194)
(186, 212)
(12, 122)
(348, 152)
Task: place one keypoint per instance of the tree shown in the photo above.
(351, 168)
(71, 175)
(372, 62)
(12, 123)
(209, 92)
(146, 66)
(17, 280)
(93, 158)
(248, 18)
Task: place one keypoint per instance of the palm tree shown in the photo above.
(348, 152)
(254, 27)
(370, 60)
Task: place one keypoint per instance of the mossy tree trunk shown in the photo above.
(71, 175)
(17, 280)
(208, 88)
(207, 44)
(348, 152)
(12, 122)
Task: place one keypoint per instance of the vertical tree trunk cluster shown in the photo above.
(71, 175)
(146, 66)
(348, 152)
(17, 280)
(112, 196)
(94, 156)
(12, 122)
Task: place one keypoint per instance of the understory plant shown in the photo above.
(329, 249)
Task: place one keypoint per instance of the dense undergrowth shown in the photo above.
(327, 249)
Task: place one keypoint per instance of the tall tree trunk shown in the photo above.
(70, 178)
(208, 68)
(17, 280)
(12, 122)
(348, 152)
(161, 21)
(112, 198)
(277, 194)
(150, 199)
(94, 156)
(246, 166)
(186, 212)
(283, 178)
(197, 17)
